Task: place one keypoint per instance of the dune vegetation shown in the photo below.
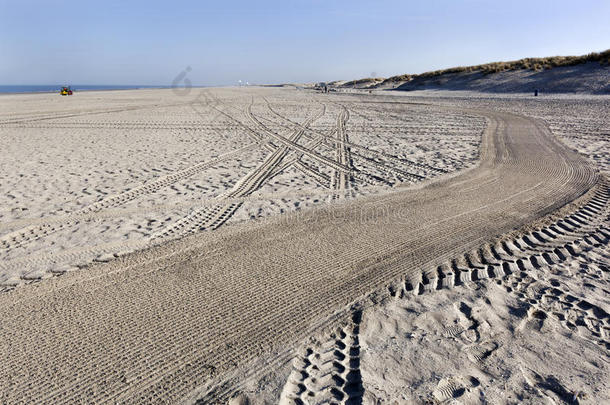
(536, 64)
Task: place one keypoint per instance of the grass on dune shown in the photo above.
(535, 64)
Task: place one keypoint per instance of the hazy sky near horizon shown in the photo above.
(151, 42)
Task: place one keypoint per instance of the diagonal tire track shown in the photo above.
(214, 217)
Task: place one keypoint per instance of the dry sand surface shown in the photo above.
(375, 285)
(101, 174)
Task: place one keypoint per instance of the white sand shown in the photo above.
(525, 323)
(103, 173)
(541, 336)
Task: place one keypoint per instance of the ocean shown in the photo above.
(52, 88)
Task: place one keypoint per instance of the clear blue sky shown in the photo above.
(151, 42)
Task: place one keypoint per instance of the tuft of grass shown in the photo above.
(372, 80)
(400, 78)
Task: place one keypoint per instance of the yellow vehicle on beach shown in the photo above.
(66, 91)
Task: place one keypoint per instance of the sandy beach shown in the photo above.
(265, 245)
(139, 171)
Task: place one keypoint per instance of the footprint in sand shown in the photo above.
(453, 387)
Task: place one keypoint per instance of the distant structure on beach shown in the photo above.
(322, 86)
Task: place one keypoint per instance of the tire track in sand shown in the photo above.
(342, 146)
(341, 180)
(374, 155)
(322, 371)
(31, 233)
(214, 217)
(163, 322)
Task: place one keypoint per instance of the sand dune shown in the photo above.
(587, 78)
(585, 75)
